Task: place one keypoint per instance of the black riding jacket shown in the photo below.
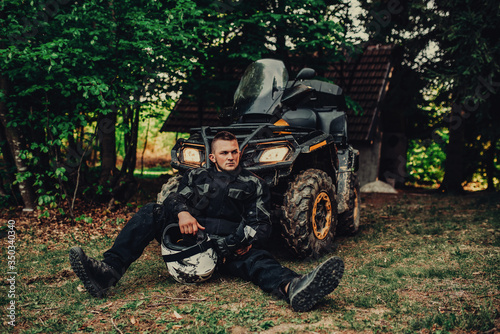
(225, 202)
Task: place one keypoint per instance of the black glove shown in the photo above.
(221, 247)
(227, 246)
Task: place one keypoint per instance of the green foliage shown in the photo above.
(426, 159)
(150, 137)
(452, 48)
(70, 67)
(69, 64)
(84, 218)
(298, 32)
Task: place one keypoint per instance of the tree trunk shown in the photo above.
(133, 144)
(107, 140)
(9, 162)
(15, 141)
(124, 184)
(281, 48)
(454, 164)
(130, 159)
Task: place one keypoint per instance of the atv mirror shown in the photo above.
(306, 73)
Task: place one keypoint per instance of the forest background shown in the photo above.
(85, 87)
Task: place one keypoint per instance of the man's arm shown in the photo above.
(255, 224)
(188, 224)
(257, 214)
(255, 227)
(179, 203)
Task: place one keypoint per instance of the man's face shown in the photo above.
(225, 155)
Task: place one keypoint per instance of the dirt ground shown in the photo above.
(98, 223)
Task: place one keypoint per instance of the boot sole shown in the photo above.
(322, 281)
(76, 258)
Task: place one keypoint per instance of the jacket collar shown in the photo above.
(233, 175)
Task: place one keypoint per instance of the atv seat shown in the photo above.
(305, 118)
(325, 119)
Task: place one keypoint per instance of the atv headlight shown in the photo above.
(191, 155)
(275, 154)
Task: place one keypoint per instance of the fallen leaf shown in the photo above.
(81, 288)
(132, 320)
(176, 315)
(176, 327)
(105, 306)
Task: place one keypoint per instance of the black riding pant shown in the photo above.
(257, 265)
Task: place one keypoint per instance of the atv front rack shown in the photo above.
(268, 150)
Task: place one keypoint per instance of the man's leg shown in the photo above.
(98, 276)
(145, 226)
(302, 292)
(262, 269)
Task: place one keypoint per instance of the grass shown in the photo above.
(153, 172)
(421, 263)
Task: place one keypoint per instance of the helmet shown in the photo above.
(189, 259)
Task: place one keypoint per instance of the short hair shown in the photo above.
(222, 135)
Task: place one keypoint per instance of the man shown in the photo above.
(223, 200)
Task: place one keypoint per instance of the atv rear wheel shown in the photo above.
(349, 220)
(171, 186)
(309, 213)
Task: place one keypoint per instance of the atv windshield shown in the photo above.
(260, 87)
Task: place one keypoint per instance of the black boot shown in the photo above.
(97, 277)
(304, 292)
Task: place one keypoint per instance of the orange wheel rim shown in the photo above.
(322, 215)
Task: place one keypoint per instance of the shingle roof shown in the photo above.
(364, 79)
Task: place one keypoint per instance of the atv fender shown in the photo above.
(348, 162)
(319, 153)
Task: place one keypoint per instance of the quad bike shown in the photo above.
(293, 135)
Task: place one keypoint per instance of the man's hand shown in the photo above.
(228, 251)
(188, 224)
(243, 251)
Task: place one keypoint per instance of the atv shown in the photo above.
(293, 134)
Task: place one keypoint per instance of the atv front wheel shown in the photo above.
(349, 220)
(309, 218)
(171, 186)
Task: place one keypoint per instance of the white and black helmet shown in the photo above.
(189, 259)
